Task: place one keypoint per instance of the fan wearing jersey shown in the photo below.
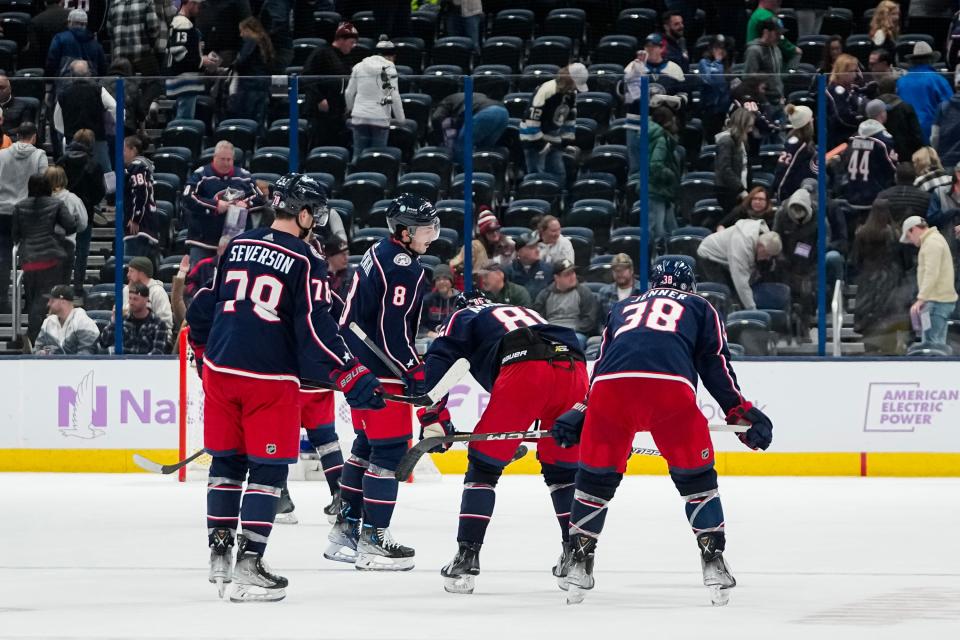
(654, 347)
(511, 350)
(870, 160)
(385, 300)
(260, 327)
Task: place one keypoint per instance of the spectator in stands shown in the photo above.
(140, 219)
(85, 180)
(205, 203)
(15, 111)
(76, 43)
(138, 34)
(902, 121)
(67, 330)
(883, 292)
(568, 303)
(666, 79)
(218, 22)
(253, 66)
(845, 100)
(937, 296)
(178, 299)
(498, 287)
(945, 131)
(494, 245)
(43, 28)
(885, 26)
(372, 96)
(490, 120)
(439, 304)
(624, 285)
(880, 66)
(185, 61)
(904, 198)
(756, 206)
(554, 246)
(831, 52)
(796, 223)
(953, 41)
(674, 44)
(324, 80)
(761, 19)
(732, 166)
(143, 332)
(714, 69)
(58, 186)
(731, 256)
(751, 94)
(84, 104)
(339, 273)
(551, 122)
(943, 213)
(798, 162)
(141, 270)
(527, 269)
(870, 164)
(465, 18)
(932, 178)
(275, 17)
(665, 172)
(42, 253)
(764, 57)
(923, 87)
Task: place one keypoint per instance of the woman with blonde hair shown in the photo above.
(931, 176)
(885, 25)
(250, 93)
(57, 178)
(732, 166)
(844, 100)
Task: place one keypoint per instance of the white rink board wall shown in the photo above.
(53, 404)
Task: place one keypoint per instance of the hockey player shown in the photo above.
(263, 325)
(654, 347)
(385, 300)
(511, 351)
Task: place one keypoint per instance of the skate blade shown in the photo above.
(252, 593)
(286, 518)
(563, 583)
(340, 553)
(221, 587)
(332, 518)
(368, 562)
(719, 596)
(460, 584)
(575, 594)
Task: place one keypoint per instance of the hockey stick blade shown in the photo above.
(413, 455)
(370, 344)
(165, 469)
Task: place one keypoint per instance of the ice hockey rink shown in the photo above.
(124, 556)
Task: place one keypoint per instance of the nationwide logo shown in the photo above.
(903, 406)
(85, 410)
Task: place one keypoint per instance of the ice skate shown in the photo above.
(253, 581)
(343, 540)
(579, 568)
(460, 574)
(333, 508)
(378, 551)
(221, 559)
(285, 507)
(716, 574)
(559, 569)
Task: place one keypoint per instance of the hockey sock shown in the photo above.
(260, 503)
(477, 501)
(324, 440)
(351, 480)
(380, 486)
(561, 483)
(224, 488)
(702, 500)
(593, 492)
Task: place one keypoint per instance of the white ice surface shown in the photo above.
(119, 556)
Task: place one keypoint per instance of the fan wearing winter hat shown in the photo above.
(798, 162)
(488, 245)
(923, 87)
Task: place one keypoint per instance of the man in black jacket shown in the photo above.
(906, 199)
(218, 22)
(43, 27)
(15, 110)
(325, 75)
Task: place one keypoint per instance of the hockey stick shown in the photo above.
(166, 469)
(453, 375)
(370, 344)
(413, 455)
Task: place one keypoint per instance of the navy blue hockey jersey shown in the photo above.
(476, 333)
(385, 299)
(871, 163)
(672, 335)
(267, 312)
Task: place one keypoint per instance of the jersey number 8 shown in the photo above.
(663, 315)
(264, 294)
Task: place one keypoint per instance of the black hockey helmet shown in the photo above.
(295, 192)
(408, 211)
(673, 273)
(475, 298)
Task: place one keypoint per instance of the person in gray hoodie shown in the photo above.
(18, 162)
(763, 57)
(730, 256)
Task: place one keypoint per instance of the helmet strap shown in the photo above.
(304, 231)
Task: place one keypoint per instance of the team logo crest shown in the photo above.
(315, 252)
(705, 454)
(271, 449)
(402, 260)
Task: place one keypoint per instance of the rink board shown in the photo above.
(852, 417)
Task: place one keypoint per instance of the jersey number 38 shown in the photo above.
(661, 314)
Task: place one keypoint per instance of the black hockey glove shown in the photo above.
(362, 389)
(760, 433)
(567, 428)
(415, 380)
(435, 422)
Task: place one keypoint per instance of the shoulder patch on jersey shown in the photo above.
(402, 260)
(314, 251)
(793, 140)
(269, 236)
(840, 90)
